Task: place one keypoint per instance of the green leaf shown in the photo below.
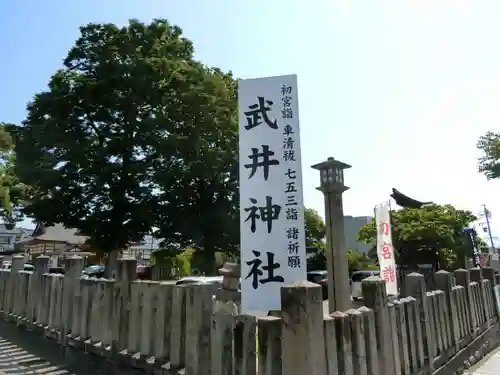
(434, 231)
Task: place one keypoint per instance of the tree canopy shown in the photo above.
(315, 229)
(489, 162)
(133, 133)
(12, 191)
(431, 234)
(359, 261)
(315, 232)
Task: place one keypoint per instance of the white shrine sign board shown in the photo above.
(273, 251)
(385, 250)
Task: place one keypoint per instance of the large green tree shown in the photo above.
(200, 184)
(489, 162)
(133, 133)
(431, 234)
(12, 191)
(359, 261)
(315, 232)
(315, 229)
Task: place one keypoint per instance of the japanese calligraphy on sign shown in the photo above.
(273, 249)
(384, 248)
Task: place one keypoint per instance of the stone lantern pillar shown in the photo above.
(229, 297)
(332, 186)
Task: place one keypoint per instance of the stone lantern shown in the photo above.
(229, 297)
(332, 186)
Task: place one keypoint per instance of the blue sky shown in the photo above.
(401, 90)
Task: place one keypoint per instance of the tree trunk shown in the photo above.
(110, 272)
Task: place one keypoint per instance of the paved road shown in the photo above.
(17, 361)
(26, 353)
(490, 366)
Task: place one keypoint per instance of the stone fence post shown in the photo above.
(416, 288)
(444, 282)
(476, 275)
(10, 295)
(489, 274)
(74, 268)
(463, 279)
(302, 329)
(36, 288)
(375, 297)
(127, 272)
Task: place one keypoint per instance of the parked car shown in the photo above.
(94, 271)
(6, 265)
(59, 270)
(356, 279)
(144, 272)
(320, 278)
(215, 281)
(29, 267)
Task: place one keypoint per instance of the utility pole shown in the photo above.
(487, 215)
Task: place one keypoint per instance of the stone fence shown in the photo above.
(168, 329)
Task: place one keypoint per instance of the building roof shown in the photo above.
(55, 233)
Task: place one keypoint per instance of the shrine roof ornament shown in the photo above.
(405, 201)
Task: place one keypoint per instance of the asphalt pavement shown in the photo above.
(26, 353)
(15, 360)
(488, 366)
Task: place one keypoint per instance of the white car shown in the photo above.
(6, 266)
(216, 281)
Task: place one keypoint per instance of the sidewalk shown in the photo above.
(490, 367)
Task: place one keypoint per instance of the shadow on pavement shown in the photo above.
(73, 361)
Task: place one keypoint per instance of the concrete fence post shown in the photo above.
(42, 319)
(476, 274)
(199, 309)
(344, 343)
(269, 344)
(444, 281)
(127, 273)
(357, 328)
(178, 331)
(416, 288)
(53, 328)
(414, 334)
(74, 268)
(375, 297)
(402, 333)
(370, 333)
(331, 347)
(18, 262)
(163, 321)
(38, 286)
(497, 279)
(245, 341)
(489, 274)
(22, 296)
(221, 345)
(394, 338)
(463, 278)
(302, 330)
(4, 276)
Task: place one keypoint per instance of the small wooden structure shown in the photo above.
(55, 241)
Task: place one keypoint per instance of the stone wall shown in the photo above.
(167, 329)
